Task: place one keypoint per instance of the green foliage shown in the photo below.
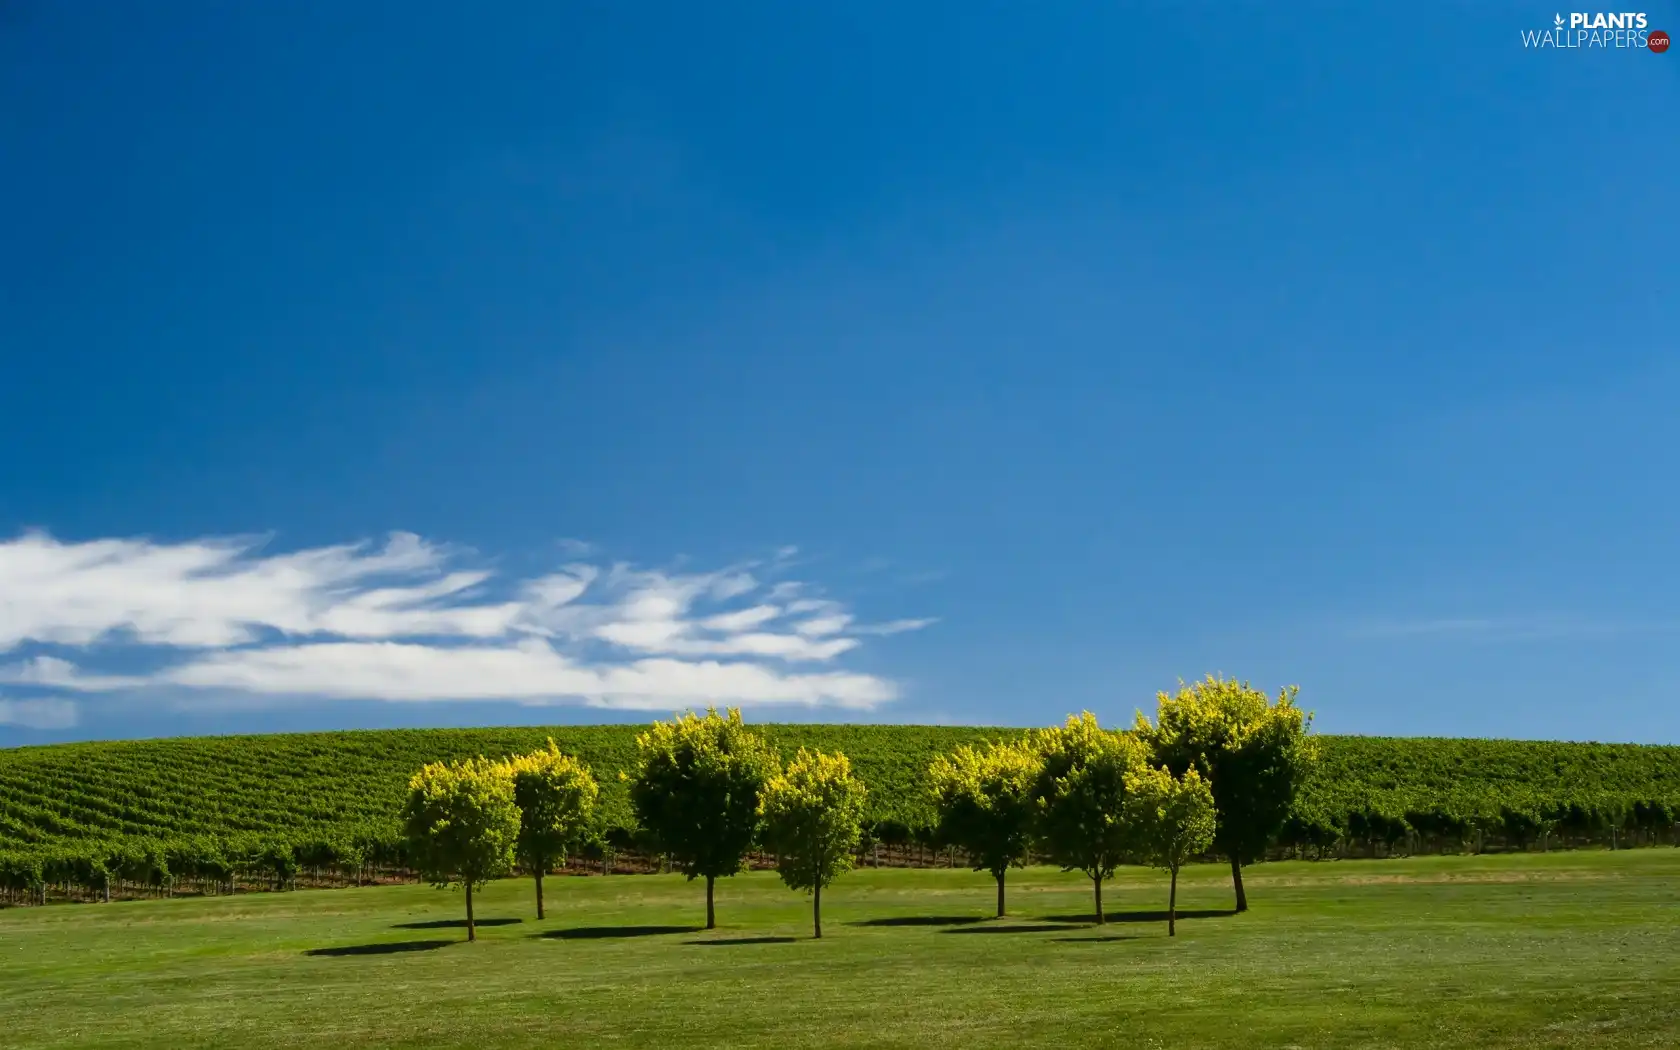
(556, 796)
(1255, 754)
(279, 858)
(1080, 793)
(985, 804)
(21, 872)
(462, 822)
(1171, 817)
(813, 813)
(695, 788)
(67, 804)
(1172, 821)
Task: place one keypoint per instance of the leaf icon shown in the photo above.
(1559, 20)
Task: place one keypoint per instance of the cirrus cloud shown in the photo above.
(409, 620)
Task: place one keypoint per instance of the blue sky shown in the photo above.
(389, 365)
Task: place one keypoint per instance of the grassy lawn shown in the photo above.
(1555, 950)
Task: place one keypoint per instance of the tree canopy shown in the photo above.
(813, 817)
(1172, 821)
(695, 788)
(556, 796)
(985, 804)
(462, 824)
(1080, 795)
(1255, 754)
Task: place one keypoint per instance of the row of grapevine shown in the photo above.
(70, 814)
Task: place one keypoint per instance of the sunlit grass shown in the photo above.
(1564, 949)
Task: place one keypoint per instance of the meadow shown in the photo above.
(1559, 949)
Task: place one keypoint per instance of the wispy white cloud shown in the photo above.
(894, 626)
(406, 620)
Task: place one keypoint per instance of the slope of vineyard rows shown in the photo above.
(1368, 792)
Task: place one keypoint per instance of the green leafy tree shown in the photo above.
(985, 804)
(813, 819)
(462, 825)
(695, 790)
(1254, 753)
(1172, 819)
(279, 858)
(556, 797)
(1080, 795)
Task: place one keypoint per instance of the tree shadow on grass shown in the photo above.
(591, 933)
(1020, 927)
(1146, 916)
(920, 920)
(746, 940)
(388, 948)
(1097, 940)
(453, 924)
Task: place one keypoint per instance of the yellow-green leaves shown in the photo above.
(556, 796)
(461, 821)
(1080, 792)
(695, 789)
(1254, 753)
(813, 814)
(1171, 817)
(984, 801)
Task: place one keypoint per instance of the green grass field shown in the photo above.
(1537, 950)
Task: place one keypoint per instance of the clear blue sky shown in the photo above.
(1332, 344)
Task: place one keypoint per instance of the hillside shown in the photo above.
(241, 787)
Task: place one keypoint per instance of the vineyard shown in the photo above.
(220, 813)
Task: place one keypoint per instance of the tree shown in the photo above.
(462, 825)
(696, 789)
(1255, 755)
(985, 804)
(1079, 796)
(279, 858)
(813, 817)
(556, 797)
(1172, 819)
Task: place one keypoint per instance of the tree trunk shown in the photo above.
(711, 916)
(1000, 894)
(1172, 905)
(816, 910)
(472, 934)
(1096, 884)
(1236, 880)
(539, 894)
(107, 889)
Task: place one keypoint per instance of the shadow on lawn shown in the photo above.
(746, 940)
(388, 948)
(1146, 916)
(920, 920)
(1097, 940)
(453, 924)
(1020, 927)
(591, 933)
